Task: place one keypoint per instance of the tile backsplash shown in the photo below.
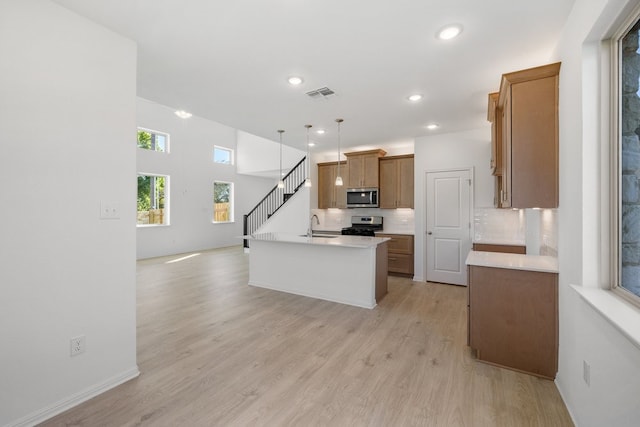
(395, 220)
(490, 225)
(499, 226)
(537, 229)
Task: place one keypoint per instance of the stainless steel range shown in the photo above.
(364, 226)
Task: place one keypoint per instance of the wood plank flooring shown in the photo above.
(214, 351)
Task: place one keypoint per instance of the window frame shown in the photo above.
(157, 132)
(229, 150)
(167, 200)
(615, 122)
(231, 203)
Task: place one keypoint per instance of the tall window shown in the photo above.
(222, 201)
(153, 198)
(627, 278)
(152, 140)
(222, 155)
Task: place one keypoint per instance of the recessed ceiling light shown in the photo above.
(320, 131)
(183, 114)
(415, 97)
(312, 144)
(433, 126)
(295, 80)
(450, 31)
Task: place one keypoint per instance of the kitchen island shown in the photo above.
(346, 269)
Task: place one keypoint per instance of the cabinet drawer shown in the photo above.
(399, 243)
(510, 249)
(400, 263)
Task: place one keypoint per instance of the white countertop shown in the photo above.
(333, 240)
(546, 264)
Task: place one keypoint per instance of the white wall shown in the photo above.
(469, 149)
(612, 397)
(192, 173)
(67, 122)
(292, 218)
(261, 157)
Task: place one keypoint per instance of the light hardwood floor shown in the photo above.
(214, 351)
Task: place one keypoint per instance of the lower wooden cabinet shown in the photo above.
(513, 319)
(400, 253)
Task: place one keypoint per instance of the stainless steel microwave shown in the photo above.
(362, 197)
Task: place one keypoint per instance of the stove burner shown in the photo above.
(358, 231)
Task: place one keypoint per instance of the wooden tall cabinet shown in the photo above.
(528, 108)
(363, 168)
(396, 182)
(330, 196)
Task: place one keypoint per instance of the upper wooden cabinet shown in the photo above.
(363, 168)
(330, 196)
(528, 108)
(396, 182)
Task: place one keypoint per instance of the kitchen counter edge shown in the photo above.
(337, 240)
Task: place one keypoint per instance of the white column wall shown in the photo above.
(585, 335)
(67, 120)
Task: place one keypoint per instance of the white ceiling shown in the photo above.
(229, 61)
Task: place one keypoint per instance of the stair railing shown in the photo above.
(274, 199)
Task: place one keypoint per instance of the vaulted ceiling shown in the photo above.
(229, 61)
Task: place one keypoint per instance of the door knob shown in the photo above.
(429, 233)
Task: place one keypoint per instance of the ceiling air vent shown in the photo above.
(322, 93)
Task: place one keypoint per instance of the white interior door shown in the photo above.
(448, 225)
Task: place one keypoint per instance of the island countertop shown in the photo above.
(327, 240)
(539, 263)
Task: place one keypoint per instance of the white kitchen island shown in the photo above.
(346, 269)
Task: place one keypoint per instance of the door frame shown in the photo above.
(471, 171)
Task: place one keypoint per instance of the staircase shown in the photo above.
(274, 199)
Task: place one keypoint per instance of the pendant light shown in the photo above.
(338, 177)
(281, 181)
(307, 181)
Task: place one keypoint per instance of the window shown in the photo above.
(222, 155)
(153, 200)
(152, 140)
(222, 202)
(627, 265)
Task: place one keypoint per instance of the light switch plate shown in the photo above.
(109, 210)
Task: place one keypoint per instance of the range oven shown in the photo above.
(362, 197)
(363, 226)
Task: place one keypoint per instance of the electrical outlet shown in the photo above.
(77, 345)
(586, 372)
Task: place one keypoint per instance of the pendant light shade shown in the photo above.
(281, 181)
(338, 177)
(307, 181)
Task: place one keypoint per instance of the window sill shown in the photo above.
(151, 225)
(222, 222)
(622, 315)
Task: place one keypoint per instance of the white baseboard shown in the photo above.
(74, 400)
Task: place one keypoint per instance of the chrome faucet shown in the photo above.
(310, 230)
